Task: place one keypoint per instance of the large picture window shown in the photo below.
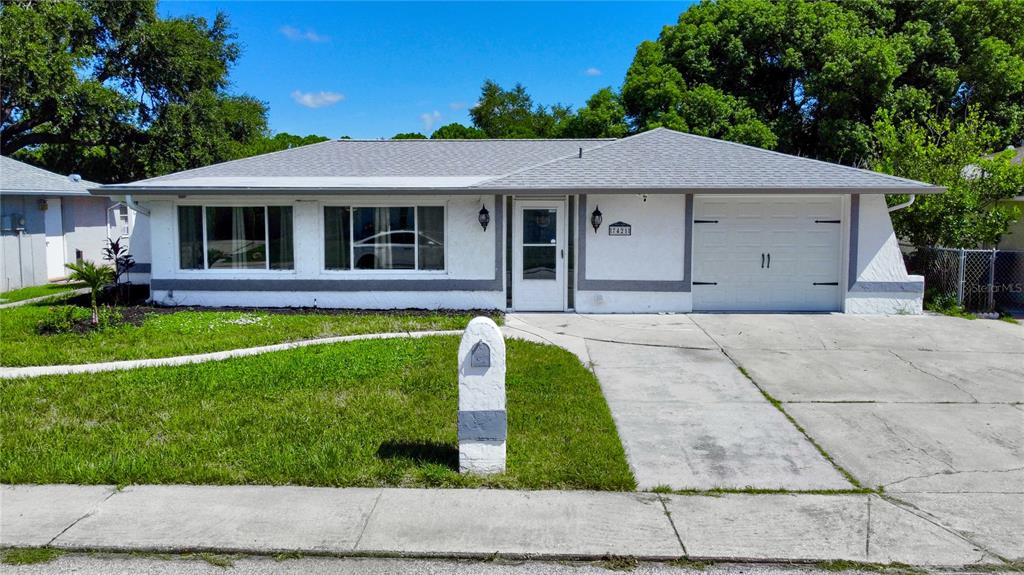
(384, 238)
(235, 237)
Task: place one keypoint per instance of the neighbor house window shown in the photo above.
(235, 237)
(384, 238)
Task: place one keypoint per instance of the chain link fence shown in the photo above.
(978, 280)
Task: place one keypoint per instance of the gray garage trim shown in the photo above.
(854, 238)
(323, 285)
(354, 285)
(915, 287)
(584, 284)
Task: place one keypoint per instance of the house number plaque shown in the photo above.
(620, 229)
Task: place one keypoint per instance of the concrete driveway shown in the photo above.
(930, 409)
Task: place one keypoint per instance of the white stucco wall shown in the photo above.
(654, 251)
(879, 261)
(469, 256)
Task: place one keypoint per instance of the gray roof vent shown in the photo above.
(75, 178)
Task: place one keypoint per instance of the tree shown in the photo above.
(409, 136)
(456, 131)
(106, 88)
(602, 117)
(655, 94)
(817, 73)
(502, 113)
(951, 154)
(281, 141)
(95, 278)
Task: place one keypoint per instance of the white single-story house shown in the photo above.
(657, 222)
(46, 221)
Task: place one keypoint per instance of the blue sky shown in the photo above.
(371, 70)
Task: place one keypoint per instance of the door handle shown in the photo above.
(563, 254)
(769, 261)
(762, 260)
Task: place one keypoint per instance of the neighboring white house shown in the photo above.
(46, 220)
(659, 221)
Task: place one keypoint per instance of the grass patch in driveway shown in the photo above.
(29, 555)
(365, 413)
(167, 333)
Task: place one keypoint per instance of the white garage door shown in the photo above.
(771, 253)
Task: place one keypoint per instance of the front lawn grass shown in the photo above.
(364, 413)
(167, 333)
(38, 291)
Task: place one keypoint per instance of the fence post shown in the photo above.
(991, 281)
(960, 278)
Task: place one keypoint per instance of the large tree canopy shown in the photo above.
(818, 72)
(112, 91)
(972, 212)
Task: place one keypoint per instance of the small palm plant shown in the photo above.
(95, 277)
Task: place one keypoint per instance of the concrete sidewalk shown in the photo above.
(479, 523)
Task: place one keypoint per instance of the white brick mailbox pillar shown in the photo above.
(482, 417)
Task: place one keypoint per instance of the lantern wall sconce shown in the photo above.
(484, 217)
(596, 217)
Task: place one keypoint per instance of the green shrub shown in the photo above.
(74, 319)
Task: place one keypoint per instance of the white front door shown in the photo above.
(538, 256)
(53, 221)
(768, 253)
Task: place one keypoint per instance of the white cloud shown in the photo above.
(309, 35)
(429, 119)
(319, 99)
(592, 71)
(457, 105)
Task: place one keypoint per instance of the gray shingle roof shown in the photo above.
(21, 178)
(666, 159)
(392, 158)
(659, 159)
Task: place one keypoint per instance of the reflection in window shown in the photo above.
(190, 237)
(539, 226)
(384, 238)
(336, 238)
(236, 237)
(539, 262)
(431, 238)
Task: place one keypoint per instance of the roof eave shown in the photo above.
(118, 190)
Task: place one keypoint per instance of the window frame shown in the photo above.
(352, 206)
(202, 205)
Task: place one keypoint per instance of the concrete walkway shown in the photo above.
(478, 523)
(40, 370)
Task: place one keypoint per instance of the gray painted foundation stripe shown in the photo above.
(585, 284)
(888, 287)
(336, 285)
(353, 285)
(483, 425)
(854, 237)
